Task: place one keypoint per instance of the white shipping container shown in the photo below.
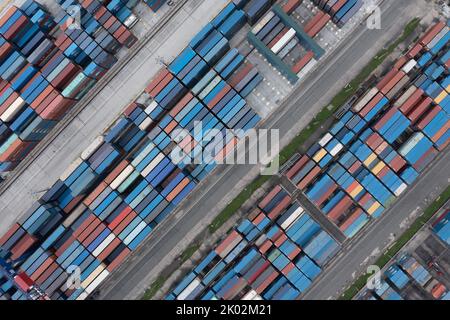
(405, 96)
(365, 99)
(151, 107)
(103, 245)
(209, 87)
(438, 37)
(250, 295)
(143, 154)
(265, 20)
(145, 124)
(292, 218)
(133, 234)
(82, 296)
(283, 41)
(74, 215)
(191, 287)
(92, 147)
(325, 139)
(131, 21)
(121, 177)
(152, 164)
(70, 169)
(409, 66)
(12, 110)
(410, 144)
(307, 68)
(400, 189)
(93, 275)
(336, 149)
(94, 284)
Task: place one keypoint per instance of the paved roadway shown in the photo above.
(132, 278)
(353, 258)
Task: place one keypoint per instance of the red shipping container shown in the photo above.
(338, 5)
(414, 51)
(277, 37)
(300, 64)
(9, 233)
(355, 215)
(118, 260)
(297, 167)
(117, 220)
(266, 200)
(340, 208)
(431, 33)
(291, 5)
(279, 208)
(428, 117)
(411, 101)
(109, 248)
(309, 178)
(319, 26)
(57, 108)
(240, 74)
(161, 85)
(391, 84)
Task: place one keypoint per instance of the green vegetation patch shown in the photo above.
(154, 287)
(187, 254)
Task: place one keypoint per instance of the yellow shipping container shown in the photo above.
(370, 159)
(356, 191)
(374, 208)
(441, 97)
(319, 155)
(380, 166)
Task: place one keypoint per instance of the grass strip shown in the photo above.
(187, 254)
(429, 212)
(154, 287)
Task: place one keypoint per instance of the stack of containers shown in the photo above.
(128, 180)
(379, 147)
(442, 227)
(341, 11)
(108, 25)
(399, 275)
(285, 44)
(414, 269)
(275, 253)
(46, 68)
(155, 5)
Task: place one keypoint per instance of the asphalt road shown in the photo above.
(127, 281)
(353, 258)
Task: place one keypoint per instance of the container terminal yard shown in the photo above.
(98, 97)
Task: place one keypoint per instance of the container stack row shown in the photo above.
(132, 177)
(380, 146)
(275, 253)
(47, 65)
(155, 5)
(340, 11)
(404, 272)
(441, 227)
(287, 45)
